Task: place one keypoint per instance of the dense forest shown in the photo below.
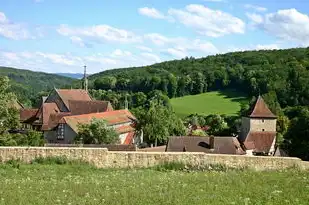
(284, 74)
(27, 84)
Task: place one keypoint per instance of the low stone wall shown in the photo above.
(103, 158)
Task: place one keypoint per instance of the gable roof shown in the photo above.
(112, 118)
(26, 114)
(54, 120)
(260, 141)
(79, 107)
(261, 110)
(72, 94)
(222, 145)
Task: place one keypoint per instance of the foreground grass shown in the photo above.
(82, 184)
(223, 102)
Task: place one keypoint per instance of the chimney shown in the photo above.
(211, 142)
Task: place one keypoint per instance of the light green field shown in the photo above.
(219, 102)
(76, 185)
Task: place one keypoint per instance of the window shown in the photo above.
(60, 132)
(262, 120)
(263, 130)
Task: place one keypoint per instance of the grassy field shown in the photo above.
(219, 102)
(77, 184)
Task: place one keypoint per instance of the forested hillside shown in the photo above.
(27, 84)
(281, 74)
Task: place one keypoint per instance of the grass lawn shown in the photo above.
(77, 184)
(218, 102)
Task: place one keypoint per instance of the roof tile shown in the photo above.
(262, 141)
(222, 145)
(261, 110)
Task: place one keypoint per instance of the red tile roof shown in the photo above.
(48, 109)
(112, 118)
(260, 141)
(73, 94)
(125, 129)
(79, 107)
(129, 138)
(54, 120)
(261, 110)
(26, 114)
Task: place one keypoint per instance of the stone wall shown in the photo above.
(263, 124)
(102, 158)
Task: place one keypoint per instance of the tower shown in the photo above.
(85, 82)
(258, 130)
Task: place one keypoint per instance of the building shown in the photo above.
(258, 130)
(63, 108)
(65, 130)
(210, 145)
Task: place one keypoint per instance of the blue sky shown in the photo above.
(64, 35)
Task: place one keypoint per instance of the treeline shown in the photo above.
(281, 73)
(27, 84)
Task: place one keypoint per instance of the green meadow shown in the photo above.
(83, 184)
(216, 102)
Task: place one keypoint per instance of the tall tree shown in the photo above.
(8, 114)
(97, 132)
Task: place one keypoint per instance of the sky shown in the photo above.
(64, 35)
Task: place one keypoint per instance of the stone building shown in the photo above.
(258, 130)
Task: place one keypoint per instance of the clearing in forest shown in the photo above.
(217, 102)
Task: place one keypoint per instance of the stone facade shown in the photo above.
(103, 158)
(257, 125)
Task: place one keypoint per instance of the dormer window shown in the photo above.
(263, 130)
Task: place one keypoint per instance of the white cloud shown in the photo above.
(100, 33)
(161, 40)
(267, 47)
(59, 59)
(144, 48)
(52, 62)
(215, 0)
(180, 47)
(12, 30)
(256, 8)
(3, 18)
(205, 21)
(120, 53)
(286, 24)
(151, 57)
(151, 12)
(77, 40)
(255, 18)
(177, 52)
(252, 47)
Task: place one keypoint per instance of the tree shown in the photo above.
(97, 132)
(158, 123)
(8, 114)
(296, 140)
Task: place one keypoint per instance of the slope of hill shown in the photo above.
(27, 84)
(281, 74)
(223, 102)
(71, 75)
